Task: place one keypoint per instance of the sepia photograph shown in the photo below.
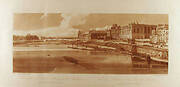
(90, 43)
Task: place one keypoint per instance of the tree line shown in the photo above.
(27, 37)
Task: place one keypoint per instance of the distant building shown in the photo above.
(83, 35)
(99, 34)
(160, 35)
(142, 31)
(115, 31)
(136, 31)
(125, 32)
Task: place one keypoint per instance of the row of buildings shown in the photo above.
(155, 33)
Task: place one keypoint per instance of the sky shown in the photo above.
(68, 24)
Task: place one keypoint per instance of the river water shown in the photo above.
(50, 59)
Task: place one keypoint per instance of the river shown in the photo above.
(50, 59)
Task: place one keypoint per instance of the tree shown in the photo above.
(32, 37)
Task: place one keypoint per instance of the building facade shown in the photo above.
(83, 35)
(142, 31)
(100, 34)
(125, 32)
(160, 35)
(115, 31)
(136, 31)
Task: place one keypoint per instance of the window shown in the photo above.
(145, 30)
(137, 30)
(140, 30)
(148, 30)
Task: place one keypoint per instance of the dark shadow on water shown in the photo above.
(60, 65)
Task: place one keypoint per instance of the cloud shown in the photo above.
(69, 20)
(101, 28)
(64, 29)
(72, 19)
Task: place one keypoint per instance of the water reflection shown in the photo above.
(50, 58)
